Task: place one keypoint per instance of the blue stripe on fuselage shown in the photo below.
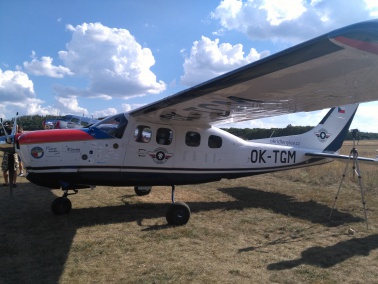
(97, 133)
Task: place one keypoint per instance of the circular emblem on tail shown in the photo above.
(322, 135)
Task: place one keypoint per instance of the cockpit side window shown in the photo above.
(164, 136)
(75, 120)
(142, 134)
(114, 126)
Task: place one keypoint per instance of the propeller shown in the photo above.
(7, 140)
(7, 145)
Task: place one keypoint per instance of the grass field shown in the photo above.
(265, 229)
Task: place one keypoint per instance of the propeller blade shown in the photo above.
(7, 140)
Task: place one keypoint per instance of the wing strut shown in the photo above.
(353, 155)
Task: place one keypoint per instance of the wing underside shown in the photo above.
(338, 68)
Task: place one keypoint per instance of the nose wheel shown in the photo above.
(62, 205)
(178, 213)
(142, 190)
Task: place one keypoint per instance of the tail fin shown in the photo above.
(330, 133)
(328, 136)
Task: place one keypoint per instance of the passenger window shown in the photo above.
(84, 123)
(75, 120)
(142, 134)
(192, 139)
(215, 141)
(164, 136)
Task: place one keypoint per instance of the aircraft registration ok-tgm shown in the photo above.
(173, 141)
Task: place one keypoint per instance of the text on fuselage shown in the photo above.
(277, 156)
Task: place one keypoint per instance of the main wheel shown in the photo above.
(142, 190)
(61, 205)
(178, 214)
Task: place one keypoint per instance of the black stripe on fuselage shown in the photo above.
(55, 177)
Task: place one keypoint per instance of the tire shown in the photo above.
(61, 206)
(141, 191)
(178, 214)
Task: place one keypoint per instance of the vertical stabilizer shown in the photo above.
(327, 136)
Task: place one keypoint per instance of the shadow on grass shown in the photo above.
(34, 243)
(287, 205)
(326, 257)
(245, 198)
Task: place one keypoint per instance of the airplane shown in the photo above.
(174, 141)
(68, 121)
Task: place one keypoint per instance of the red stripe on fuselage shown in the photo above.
(371, 47)
(57, 135)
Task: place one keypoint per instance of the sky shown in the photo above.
(97, 58)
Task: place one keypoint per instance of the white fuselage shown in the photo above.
(141, 157)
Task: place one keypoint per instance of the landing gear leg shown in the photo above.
(178, 213)
(62, 205)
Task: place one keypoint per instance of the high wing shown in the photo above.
(338, 68)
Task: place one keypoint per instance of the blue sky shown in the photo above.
(97, 58)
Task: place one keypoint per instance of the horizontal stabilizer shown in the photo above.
(340, 157)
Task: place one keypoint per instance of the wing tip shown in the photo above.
(362, 36)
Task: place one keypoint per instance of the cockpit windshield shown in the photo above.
(114, 125)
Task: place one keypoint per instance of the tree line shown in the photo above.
(32, 122)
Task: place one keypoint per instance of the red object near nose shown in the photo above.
(54, 135)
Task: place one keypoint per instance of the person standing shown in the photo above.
(5, 168)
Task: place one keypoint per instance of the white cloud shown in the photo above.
(291, 21)
(17, 95)
(105, 112)
(129, 107)
(63, 91)
(15, 86)
(61, 106)
(209, 59)
(372, 5)
(366, 118)
(70, 105)
(282, 11)
(112, 111)
(113, 61)
(36, 108)
(44, 67)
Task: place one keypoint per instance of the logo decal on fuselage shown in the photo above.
(323, 135)
(37, 152)
(160, 155)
